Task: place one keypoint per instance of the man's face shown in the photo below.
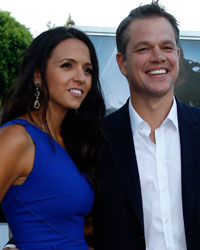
(152, 57)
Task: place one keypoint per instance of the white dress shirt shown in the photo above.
(159, 168)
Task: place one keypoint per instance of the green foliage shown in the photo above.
(14, 40)
(69, 21)
(50, 25)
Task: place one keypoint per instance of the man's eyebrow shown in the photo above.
(147, 43)
(169, 42)
(141, 43)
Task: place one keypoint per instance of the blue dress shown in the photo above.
(47, 211)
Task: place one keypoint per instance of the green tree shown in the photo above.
(50, 25)
(69, 21)
(14, 40)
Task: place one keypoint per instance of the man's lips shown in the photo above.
(157, 72)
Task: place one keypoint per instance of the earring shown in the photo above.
(36, 104)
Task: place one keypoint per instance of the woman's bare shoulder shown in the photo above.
(14, 134)
(15, 140)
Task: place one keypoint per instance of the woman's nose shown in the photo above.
(79, 75)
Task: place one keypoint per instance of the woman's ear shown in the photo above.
(37, 76)
(121, 63)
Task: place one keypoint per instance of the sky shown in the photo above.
(35, 14)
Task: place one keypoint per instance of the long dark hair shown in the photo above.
(82, 131)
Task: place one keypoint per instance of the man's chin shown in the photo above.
(159, 94)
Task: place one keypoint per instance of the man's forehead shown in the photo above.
(153, 28)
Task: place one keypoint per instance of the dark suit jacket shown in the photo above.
(119, 215)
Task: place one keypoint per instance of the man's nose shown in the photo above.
(157, 55)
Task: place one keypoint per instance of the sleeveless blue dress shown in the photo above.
(47, 211)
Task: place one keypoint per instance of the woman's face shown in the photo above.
(68, 74)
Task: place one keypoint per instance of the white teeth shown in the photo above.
(75, 91)
(155, 72)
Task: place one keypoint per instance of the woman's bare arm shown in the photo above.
(16, 154)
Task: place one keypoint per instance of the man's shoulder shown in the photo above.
(117, 121)
(189, 111)
(116, 115)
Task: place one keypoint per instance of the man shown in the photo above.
(148, 195)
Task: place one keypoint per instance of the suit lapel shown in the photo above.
(123, 152)
(189, 137)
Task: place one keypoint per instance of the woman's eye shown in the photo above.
(66, 65)
(88, 70)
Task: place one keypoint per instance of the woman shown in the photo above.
(50, 138)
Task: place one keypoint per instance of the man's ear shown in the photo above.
(179, 52)
(37, 76)
(121, 63)
(179, 56)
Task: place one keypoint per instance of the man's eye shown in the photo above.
(143, 49)
(66, 65)
(168, 48)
